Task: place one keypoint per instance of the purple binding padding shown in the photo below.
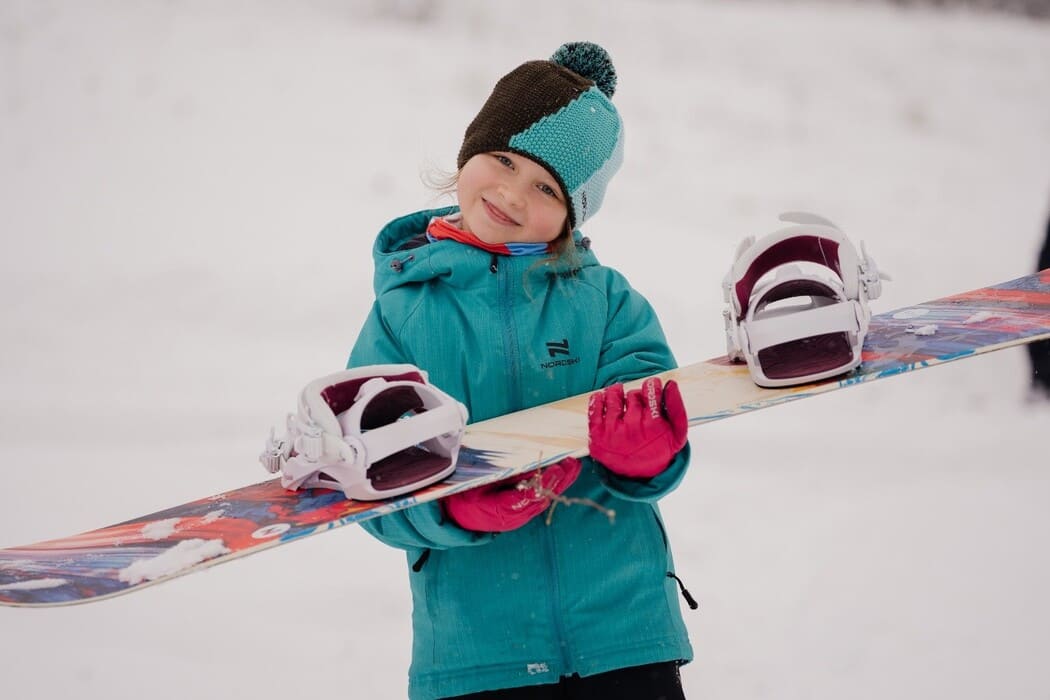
(408, 466)
(341, 396)
(799, 358)
(797, 288)
(812, 249)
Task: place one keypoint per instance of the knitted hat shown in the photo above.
(557, 113)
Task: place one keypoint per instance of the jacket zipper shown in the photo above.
(559, 624)
(513, 358)
(504, 301)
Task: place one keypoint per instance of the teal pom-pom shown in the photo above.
(589, 60)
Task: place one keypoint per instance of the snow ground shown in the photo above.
(188, 194)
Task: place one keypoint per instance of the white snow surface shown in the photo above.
(213, 515)
(980, 317)
(33, 585)
(160, 529)
(189, 192)
(182, 556)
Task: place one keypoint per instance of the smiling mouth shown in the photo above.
(497, 215)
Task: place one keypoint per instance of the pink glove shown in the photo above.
(503, 506)
(637, 434)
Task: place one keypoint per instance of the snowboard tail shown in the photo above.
(131, 555)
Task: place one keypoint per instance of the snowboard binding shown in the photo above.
(797, 302)
(371, 432)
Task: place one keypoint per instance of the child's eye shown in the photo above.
(504, 160)
(548, 190)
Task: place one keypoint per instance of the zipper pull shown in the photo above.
(689, 599)
(422, 561)
(494, 265)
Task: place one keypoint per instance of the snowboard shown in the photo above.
(137, 553)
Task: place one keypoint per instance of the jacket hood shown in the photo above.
(458, 264)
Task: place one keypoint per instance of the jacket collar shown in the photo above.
(458, 264)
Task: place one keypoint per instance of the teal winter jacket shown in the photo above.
(581, 594)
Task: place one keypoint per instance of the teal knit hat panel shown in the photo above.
(583, 144)
(559, 114)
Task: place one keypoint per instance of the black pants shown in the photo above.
(652, 682)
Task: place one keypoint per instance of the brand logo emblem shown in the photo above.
(654, 405)
(558, 347)
(560, 355)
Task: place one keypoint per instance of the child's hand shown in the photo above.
(509, 504)
(637, 434)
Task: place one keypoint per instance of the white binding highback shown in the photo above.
(372, 432)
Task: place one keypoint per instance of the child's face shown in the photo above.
(508, 198)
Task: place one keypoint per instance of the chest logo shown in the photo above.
(558, 347)
(561, 356)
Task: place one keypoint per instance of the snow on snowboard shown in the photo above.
(132, 555)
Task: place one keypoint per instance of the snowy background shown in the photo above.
(188, 196)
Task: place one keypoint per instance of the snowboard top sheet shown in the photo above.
(160, 546)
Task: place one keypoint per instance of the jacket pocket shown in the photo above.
(686, 595)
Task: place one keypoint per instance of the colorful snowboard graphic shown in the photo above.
(170, 543)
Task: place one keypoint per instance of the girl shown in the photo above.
(502, 301)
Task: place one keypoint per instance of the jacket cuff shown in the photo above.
(424, 525)
(647, 490)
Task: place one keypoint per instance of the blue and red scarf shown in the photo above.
(445, 229)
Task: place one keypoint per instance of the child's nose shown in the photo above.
(512, 194)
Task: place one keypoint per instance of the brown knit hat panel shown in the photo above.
(521, 98)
